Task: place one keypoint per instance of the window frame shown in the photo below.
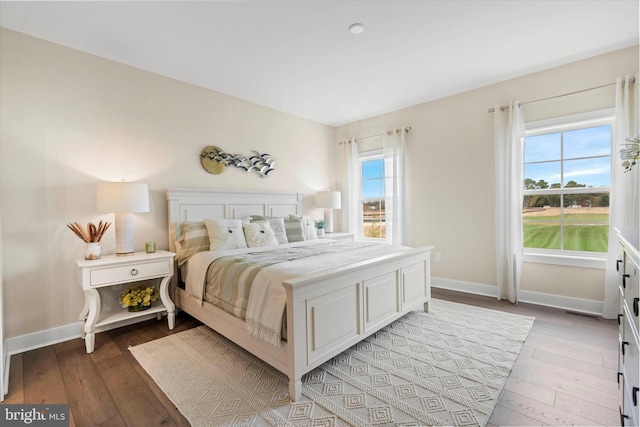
(565, 257)
(364, 156)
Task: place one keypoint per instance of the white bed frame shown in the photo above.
(327, 312)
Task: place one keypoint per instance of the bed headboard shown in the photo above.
(194, 204)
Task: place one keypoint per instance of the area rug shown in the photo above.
(445, 367)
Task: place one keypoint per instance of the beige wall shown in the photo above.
(450, 169)
(70, 120)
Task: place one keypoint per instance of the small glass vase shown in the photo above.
(139, 307)
(92, 250)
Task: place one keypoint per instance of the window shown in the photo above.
(372, 196)
(567, 180)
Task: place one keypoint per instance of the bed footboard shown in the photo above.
(330, 311)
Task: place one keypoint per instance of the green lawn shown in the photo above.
(577, 237)
(572, 217)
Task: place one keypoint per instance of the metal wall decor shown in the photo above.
(214, 160)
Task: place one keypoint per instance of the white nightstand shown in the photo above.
(338, 236)
(96, 276)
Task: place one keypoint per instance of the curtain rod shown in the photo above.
(502, 107)
(406, 129)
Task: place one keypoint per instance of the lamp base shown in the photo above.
(328, 220)
(124, 234)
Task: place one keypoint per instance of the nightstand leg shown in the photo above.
(164, 296)
(171, 318)
(89, 341)
(93, 298)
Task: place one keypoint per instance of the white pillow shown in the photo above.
(308, 226)
(225, 234)
(259, 234)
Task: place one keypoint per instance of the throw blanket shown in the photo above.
(248, 282)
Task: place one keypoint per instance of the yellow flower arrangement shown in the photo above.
(139, 297)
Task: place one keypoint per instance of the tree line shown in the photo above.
(566, 200)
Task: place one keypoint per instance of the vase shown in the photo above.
(92, 250)
(139, 307)
(320, 232)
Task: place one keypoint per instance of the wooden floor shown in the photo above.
(565, 374)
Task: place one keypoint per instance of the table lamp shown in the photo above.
(124, 199)
(328, 200)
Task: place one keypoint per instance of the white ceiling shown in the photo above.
(299, 57)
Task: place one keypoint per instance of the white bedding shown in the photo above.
(267, 299)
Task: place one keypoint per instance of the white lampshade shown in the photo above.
(328, 199)
(123, 199)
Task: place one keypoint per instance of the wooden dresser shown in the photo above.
(629, 342)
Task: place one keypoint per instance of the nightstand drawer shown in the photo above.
(127, 273)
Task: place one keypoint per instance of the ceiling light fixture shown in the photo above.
(356, 28)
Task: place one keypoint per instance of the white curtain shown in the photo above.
(350, 167)
(509, 140)
(394, 165)
(624, 210)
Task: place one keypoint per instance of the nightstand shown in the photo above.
(99, 279)
(338, 236)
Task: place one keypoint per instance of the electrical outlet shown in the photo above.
(438, 256)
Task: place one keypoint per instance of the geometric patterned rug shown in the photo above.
(445, 367)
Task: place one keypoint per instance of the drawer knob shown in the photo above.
(624, 280)
(622, 346)
(620, 317)
(618, 264)
(620, 374)
(634, 394)
(635, 306)
(134, 272)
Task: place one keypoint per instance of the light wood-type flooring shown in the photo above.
(565, 374)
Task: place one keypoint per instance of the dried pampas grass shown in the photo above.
(92, 233)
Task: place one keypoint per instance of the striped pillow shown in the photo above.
(190, 238)
(293, 229)
(308, 226)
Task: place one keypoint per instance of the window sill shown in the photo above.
(598, 262)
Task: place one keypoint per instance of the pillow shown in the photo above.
(308, 226)
(277, 225)
(259, 234)
(190, 237)
(293, 229)
(225, 234)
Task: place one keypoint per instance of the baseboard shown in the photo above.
(6, 361)
(466, 287)
(40, 339)
(577, 305)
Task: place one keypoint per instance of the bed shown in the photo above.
(327, 311)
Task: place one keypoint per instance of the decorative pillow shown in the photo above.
(225, 234)
(277, 225)
(308, 226)
(293, 229)
(259, 234)
(190, 237)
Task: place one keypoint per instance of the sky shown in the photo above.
(586, 152)
(372, 184)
